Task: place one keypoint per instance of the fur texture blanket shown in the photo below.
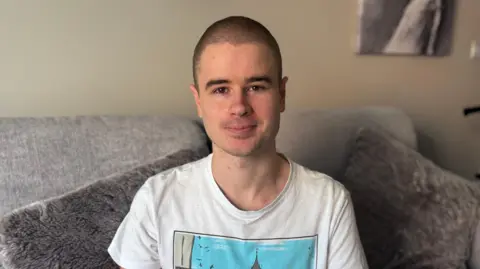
(75, 229)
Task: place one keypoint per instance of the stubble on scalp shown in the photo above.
(236, 30)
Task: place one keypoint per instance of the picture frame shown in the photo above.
(405, 27)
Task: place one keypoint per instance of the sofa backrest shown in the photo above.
(45, 157)
(319, 139)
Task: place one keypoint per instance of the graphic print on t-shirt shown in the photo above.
(194, 251)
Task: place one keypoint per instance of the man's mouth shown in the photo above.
(241, 129)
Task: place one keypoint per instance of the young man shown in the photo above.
(245, 205)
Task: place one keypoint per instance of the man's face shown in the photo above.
(239, 97)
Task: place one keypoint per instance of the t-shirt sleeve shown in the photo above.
(135, 244)
(345, 248)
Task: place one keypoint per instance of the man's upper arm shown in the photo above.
(345, 248)
(135, 244)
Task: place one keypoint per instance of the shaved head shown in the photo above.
(236, 30)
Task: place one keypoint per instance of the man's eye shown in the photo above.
(256, 88)
(221, 90)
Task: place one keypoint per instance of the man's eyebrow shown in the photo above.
(266, 79)
(214, 82)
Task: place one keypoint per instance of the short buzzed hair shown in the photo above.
(236, 30)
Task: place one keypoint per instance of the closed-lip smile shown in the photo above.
(242, 129)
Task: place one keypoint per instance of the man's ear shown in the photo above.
(196, 96)
(282, 90)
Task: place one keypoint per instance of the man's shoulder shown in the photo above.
(181, 175)
(316, 183)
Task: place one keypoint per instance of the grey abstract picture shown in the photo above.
(405, 27)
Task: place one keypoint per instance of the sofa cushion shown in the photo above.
(319, 138)
(74, 230)
(410, 212)
(45, 157)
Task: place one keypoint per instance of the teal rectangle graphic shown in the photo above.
(195, 251)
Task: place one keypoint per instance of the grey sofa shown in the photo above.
(44, 158)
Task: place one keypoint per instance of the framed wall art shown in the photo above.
(405, 27)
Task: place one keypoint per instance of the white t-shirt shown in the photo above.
(180, 218)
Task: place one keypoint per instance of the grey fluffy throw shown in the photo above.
(75, 229)
(411, 213)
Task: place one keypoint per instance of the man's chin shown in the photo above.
(241, 147)
(244, 151)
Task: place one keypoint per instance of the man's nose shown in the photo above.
(240, 105)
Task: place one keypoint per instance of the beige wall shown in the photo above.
(112, 56)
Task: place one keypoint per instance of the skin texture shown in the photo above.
(240, 98)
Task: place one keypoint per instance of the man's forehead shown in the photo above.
(225, 49)
(236, 58)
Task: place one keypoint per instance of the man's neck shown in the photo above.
(250, 183)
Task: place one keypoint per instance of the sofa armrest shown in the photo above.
(474, 262)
